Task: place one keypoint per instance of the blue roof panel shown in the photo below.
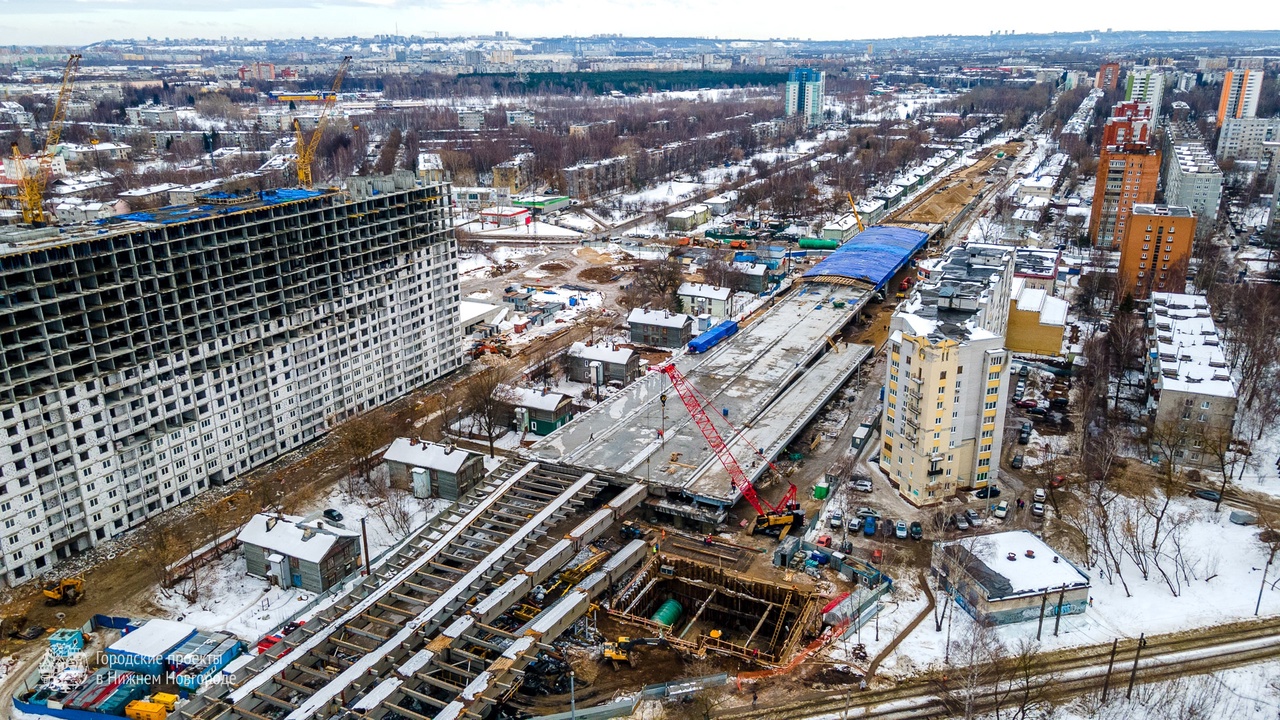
(872, 256)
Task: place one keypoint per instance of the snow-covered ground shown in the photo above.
(249, 607)
(1244, 693)
(1224, 563)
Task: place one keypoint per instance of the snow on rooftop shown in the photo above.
(1025, 575)
(660, 318)
(1187, 348)
(1052, 310)
(537, 400)
(704, 290)
(602, 353)
(469, 310)
(427, 455)
(154, 638)
(290, 535)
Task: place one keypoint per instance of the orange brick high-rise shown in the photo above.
(1155, 251)
(1128, 170)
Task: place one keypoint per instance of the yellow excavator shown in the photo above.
(67, 591)
(621, 651)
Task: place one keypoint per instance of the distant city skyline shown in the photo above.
(28, 22)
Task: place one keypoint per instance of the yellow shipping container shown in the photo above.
(143, 710)
(168, 700)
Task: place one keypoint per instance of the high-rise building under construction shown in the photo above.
(147, 357)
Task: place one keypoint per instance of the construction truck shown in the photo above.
(631, 531)
(621, 651)
(67, 591)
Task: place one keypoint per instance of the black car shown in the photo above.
(1059, 402)
(331, 514)
(1037, 411)
(1210, 495)
(987, 492)
(916, 531)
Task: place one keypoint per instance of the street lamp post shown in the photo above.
(662, 400)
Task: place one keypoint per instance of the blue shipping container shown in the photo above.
(713, 337)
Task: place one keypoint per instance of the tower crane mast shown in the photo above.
(853, 207)
(306, 147)
(31, 185)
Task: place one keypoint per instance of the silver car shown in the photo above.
(900, 530)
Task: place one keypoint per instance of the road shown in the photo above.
(1056, 675)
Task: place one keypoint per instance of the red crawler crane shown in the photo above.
(781, 516)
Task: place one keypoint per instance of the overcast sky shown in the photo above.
(85, 21)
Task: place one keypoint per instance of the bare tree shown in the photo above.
(488, 398)
(655, 283)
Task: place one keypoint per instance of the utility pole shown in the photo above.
(1133, 674)
(1057, 620)
(1106, 684)
(1044, 599)
(364, 538)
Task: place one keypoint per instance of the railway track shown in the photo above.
(1060, 674)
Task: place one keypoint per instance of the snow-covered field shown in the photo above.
(1224, 565)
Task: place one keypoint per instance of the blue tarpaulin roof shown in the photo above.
(872, 256)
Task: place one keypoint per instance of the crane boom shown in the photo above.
(307, 147)
(853, 207)
(31, 185)
(690, 397)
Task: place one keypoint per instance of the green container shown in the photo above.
(668, 613)
(818, 244)
(820, 492)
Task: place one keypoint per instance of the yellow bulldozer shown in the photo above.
(67, 591)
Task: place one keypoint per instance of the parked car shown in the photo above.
(1039, 496)
(869, 526)
(868, 512)
(1037, 509)
(1016, 463)
(973, 517)
(900, 530)
(331, 514)
(863, 486)
(991, 491)
(837, 520)
(1024, 435)
(916, 531)
(1210, 495)
(1060, 402)
(960, 521)
(1025, 403)
(1002, 509)
(855, 524)
(1024, 371)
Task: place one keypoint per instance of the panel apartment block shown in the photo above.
(146, 358)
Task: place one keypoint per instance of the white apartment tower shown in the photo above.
(946, 378)
(151, 356)
(805, 88)
(1241, 87)
(1146, 85)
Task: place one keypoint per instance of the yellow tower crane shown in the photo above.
(853, 207)
(31, 184)
(306, 147)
